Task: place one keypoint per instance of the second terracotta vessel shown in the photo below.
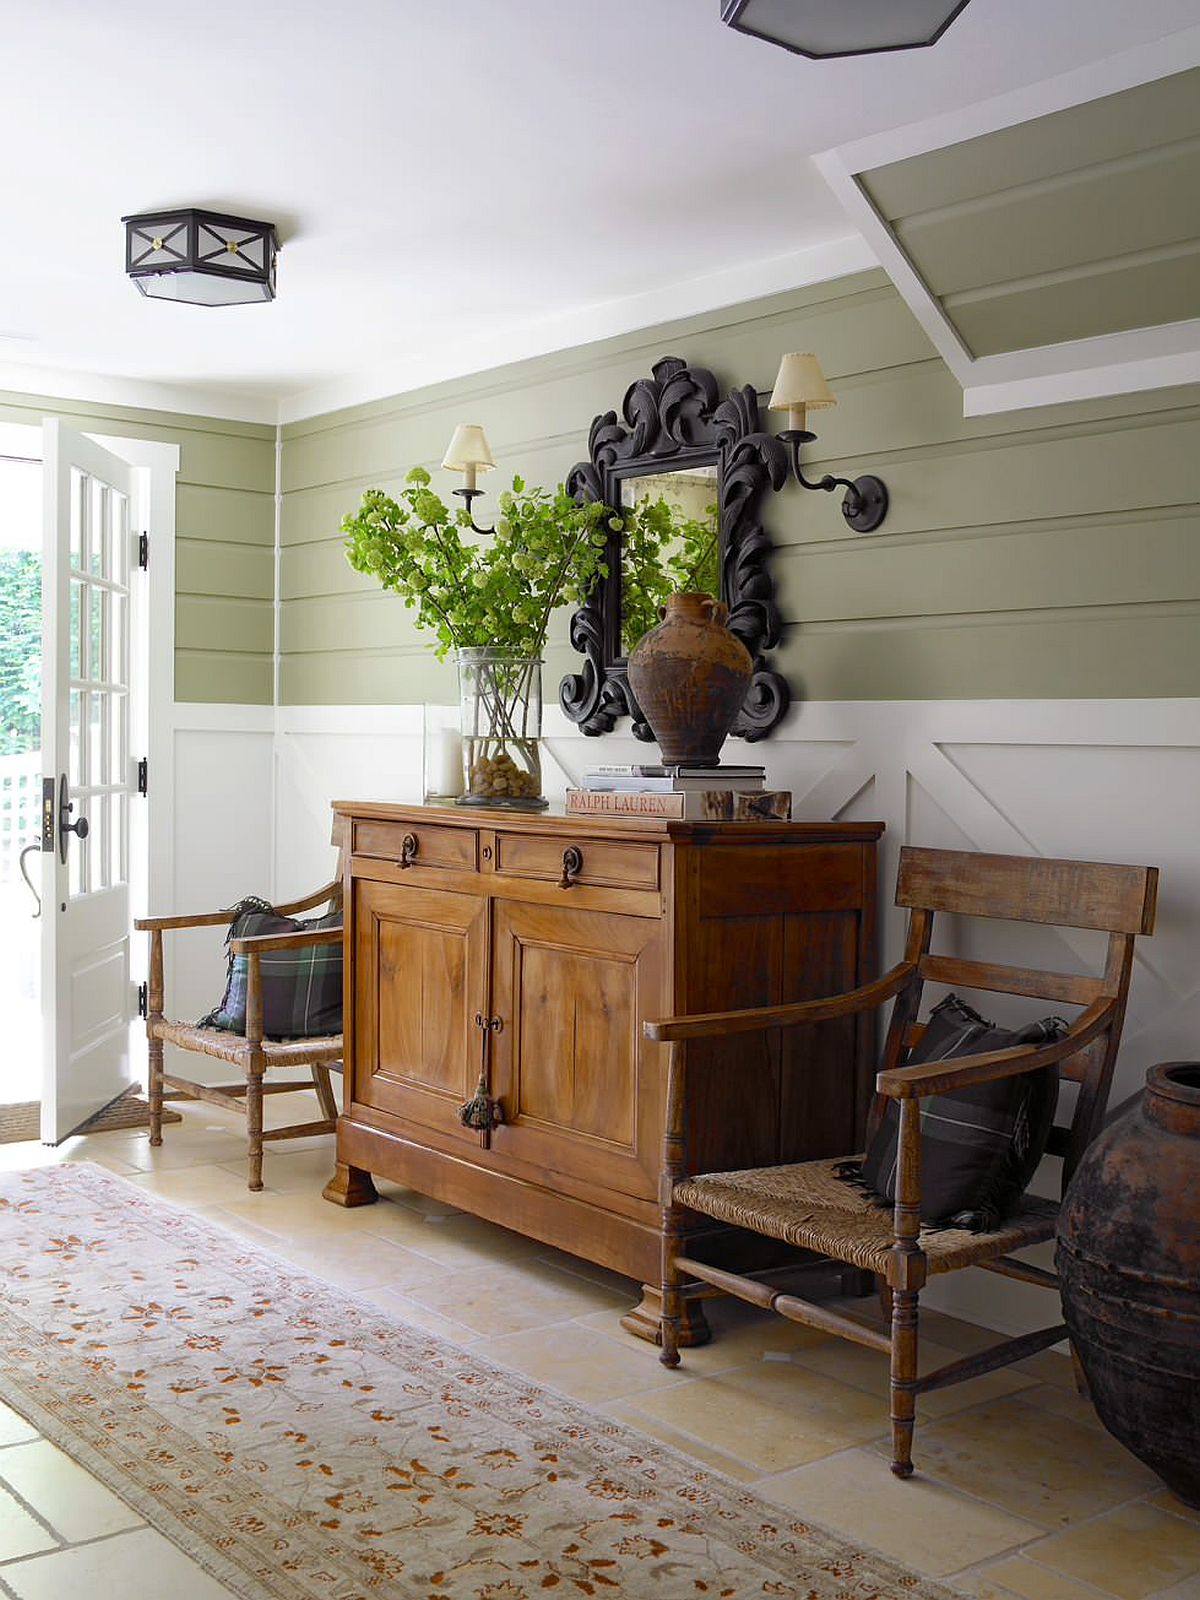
(690, 676)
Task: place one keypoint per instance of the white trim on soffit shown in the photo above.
(1078, 369)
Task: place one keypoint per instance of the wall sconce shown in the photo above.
(201, 257)
(800, 388)
(469, 454)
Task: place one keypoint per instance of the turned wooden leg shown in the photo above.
(903, 1379)
(672, 1299)
(254, 1122)
(906, 1276)
(154, 1006)
(350, 1186)
(325, 1094)
(673, 1169)
(155, 1090)
(885, 1298)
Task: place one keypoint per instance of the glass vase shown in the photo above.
(500, 698)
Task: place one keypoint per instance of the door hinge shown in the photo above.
(143, 551)
(143, 769)
(143, 999)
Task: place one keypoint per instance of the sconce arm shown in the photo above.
(865, 502)
(469, 495)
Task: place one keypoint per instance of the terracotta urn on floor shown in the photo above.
(690, 676)
(1129, 1265)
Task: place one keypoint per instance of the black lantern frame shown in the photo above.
(740, 15)
(203, 258)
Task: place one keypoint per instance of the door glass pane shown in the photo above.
(95, 739)
(120, 537)
(77, 491)
(75, 739)
(96, 654)
(117, 619)
(76, 630)
(118, 717)
(96, 521)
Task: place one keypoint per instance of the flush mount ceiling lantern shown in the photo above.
(203, 258)
(822, 29)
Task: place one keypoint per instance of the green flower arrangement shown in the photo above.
(501, 593)
(495, 595)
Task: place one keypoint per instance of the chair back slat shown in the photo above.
(1065, 894)
(1063, 987)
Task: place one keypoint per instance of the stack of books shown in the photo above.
(712, 794)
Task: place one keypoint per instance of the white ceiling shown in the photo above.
(455, 184)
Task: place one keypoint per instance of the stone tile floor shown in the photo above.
(1020, 1494)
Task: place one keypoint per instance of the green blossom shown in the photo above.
(546, 552)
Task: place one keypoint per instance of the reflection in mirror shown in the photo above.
(671, 544)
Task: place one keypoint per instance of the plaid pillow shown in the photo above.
(980, 1144)
(301, 989)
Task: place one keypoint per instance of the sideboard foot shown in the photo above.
(350, 1186)
(645, 1320)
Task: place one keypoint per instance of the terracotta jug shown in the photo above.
(1129, 1267)
(690, 676)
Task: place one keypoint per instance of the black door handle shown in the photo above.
(31, 849)
(80, 827)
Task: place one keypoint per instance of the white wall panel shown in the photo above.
(1100, 780)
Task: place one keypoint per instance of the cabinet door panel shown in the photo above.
(580, 1092)
(419, 980)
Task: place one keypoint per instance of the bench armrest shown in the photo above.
(934, 1077)
(721, 1024)
(202, 919)
(260, 942)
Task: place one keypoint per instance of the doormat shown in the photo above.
(23, 1121)
(297, 1443)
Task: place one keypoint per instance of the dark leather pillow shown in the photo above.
(981, 1144)
(301, 989)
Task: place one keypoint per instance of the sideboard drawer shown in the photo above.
(608, 863)
(417, 844)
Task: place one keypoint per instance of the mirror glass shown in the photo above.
(671, 543)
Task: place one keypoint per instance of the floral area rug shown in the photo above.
(297, 1443)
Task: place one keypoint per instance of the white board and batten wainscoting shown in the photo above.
(1105, 780)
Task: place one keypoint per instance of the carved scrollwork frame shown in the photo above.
(672, 420)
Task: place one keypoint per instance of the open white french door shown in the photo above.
(89, 777)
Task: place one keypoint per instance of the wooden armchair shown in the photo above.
(808, 1206)
(251, 1052)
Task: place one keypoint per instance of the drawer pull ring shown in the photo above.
(408, 849)
(572, 866)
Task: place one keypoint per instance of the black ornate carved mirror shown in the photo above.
(710, 461)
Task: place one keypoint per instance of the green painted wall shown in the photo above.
(1045, 553)
(225, 537)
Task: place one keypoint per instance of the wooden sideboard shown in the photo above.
(530, 948)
